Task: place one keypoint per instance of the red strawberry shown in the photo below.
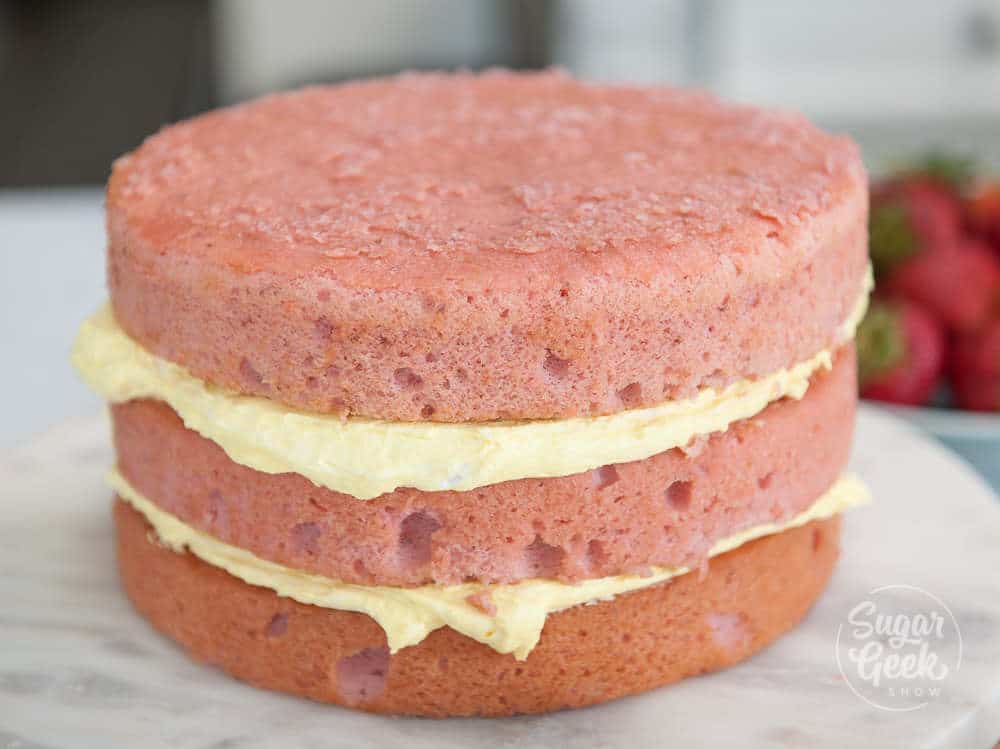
(975, 368)
(909, 216)
(959, 283)
(949, 170)
(900, 353)
(983, 213)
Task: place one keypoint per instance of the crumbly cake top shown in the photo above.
(429, 176)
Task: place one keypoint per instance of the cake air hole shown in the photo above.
(319, 506)
(679, 495)
(250, 375)
(361, 677)
(305, 537)
(542, 559)
(597, 556)
(817, 539)
(765, 481)
(218, 513)
(415, 538)
(556, 367)
(631, 396)
(277, 626)
(407, 379)
(604, 476)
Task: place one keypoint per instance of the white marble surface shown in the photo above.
(79, 669)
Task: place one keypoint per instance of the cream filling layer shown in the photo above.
(367, 457)
(408, 615)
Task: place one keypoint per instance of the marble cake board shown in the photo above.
(79, 669)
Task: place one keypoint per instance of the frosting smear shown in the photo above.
(368, 457)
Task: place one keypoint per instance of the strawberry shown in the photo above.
(983, 213)
(975, 368)
(908, 216)
(900, 353)
(946, 169)
(957, 282)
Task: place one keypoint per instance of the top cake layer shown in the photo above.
(479, 247)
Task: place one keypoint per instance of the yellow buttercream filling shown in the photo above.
(368, 457)
(408, 615)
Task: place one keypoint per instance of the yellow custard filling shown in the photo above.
(408, 615)
(367, 457)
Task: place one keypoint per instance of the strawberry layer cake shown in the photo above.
(480, 394)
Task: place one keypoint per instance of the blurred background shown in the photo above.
(83, 82)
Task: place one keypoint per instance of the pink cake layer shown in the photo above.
(666, 510)
(474, 247)
(587, 654)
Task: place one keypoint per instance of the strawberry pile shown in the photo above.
(932, 332)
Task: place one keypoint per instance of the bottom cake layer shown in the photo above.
(587, 654)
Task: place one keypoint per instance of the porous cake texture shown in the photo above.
(430, 256)
(467, 248)
(640, 640)
(666, 510)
